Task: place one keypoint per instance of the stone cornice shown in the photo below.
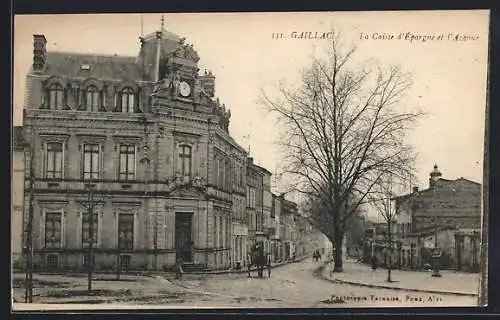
(113, 81)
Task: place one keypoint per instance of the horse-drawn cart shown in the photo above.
(258, 261)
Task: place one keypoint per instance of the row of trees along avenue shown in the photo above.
(344, 130)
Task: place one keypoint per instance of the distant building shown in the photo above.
(452, 202)
(275, 237)
(449, 208)
(289, 212)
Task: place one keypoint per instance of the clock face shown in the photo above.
(184, 89)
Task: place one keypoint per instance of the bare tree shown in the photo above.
(383, 203)
(342, 130)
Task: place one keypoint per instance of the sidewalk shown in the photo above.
(149, 273)
(227, 271)
(451, 282)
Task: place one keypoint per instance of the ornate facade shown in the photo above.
(139, 149)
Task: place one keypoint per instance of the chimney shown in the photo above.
(250, 160)
(415, 189)
(39, 52)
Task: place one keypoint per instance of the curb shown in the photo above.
(244, 270)
(217, 272)
(374, 286)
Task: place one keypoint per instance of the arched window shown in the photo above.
(92, 99)
(56, 94)
(128, 100)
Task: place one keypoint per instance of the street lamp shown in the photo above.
(436, 252)
(91, 212)
(28, 298)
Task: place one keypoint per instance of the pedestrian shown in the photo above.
(374, 263)
(179, 268)
(332, 267)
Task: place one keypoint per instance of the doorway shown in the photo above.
(183, 236)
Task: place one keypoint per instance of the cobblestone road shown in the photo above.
(290, 286)
(294, 285)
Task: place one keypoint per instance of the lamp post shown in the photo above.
(146, 162)
(436, 254)
(90, 260)
(28, 298)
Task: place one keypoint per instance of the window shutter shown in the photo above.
(84, 99)
(47, 99)
(100, 103)
(104, 97)
(119, 102)
(65, 98)
(115, 102)
(44, 102)
(137, 101)
(77, 98)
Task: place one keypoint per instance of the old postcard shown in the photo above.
(249, 160)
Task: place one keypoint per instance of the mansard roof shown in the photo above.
(69, 64)
(262, 169)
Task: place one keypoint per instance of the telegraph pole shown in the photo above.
(28, 298)
(90, 260)
(91, 204)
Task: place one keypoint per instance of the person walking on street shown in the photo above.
(374, 263)
(179, 268)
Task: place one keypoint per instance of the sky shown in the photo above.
(449, 76)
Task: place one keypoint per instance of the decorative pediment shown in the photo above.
(187, 52)
(91, 138)
(187, 192)
(55, 79)
(99, 84)
(186, 187)
(127, 84)
(126, 207)
(127, 139)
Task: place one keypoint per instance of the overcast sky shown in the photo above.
(449, 76)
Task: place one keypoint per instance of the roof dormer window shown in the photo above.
(92, 99)
(56, 94)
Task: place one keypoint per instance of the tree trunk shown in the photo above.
(389, 252)
(337, 258)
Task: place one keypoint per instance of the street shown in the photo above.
(296, 285)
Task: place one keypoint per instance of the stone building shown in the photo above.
(17, 196)
(135, 149)
(255, 208)
(239, 215)
(275, 237)
(455, 202)
(288, 218)
(449, 208)
(267, 225)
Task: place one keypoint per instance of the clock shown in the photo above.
(184, 89)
